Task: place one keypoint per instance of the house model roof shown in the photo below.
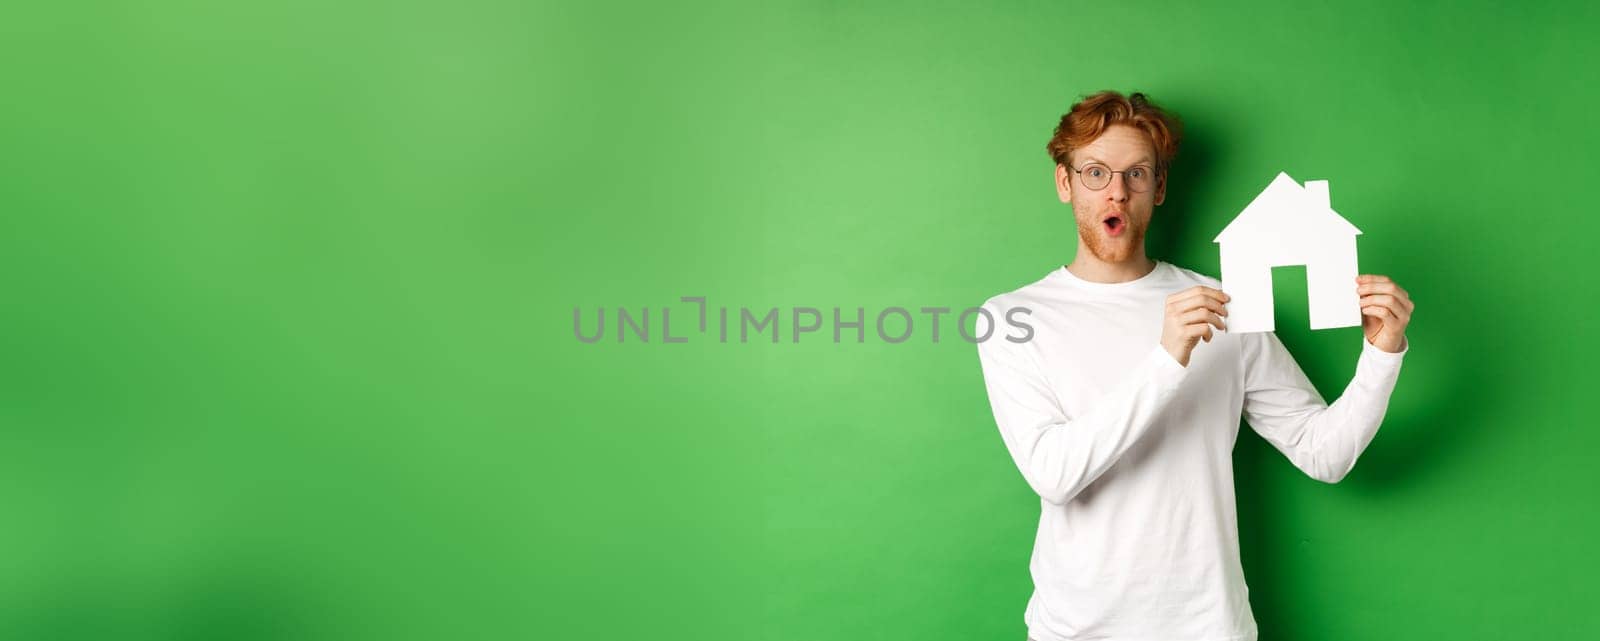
(1287, 212)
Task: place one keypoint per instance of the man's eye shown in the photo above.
(1097, 171)
(1136, 172)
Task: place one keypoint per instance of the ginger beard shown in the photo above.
(1100, 242)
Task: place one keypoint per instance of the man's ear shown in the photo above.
(1063, 184)
(1161, 188)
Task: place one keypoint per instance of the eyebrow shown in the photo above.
(1093, 159)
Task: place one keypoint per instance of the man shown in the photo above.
(1122, 410)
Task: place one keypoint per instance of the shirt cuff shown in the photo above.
(1388, 360)
(1166, 366)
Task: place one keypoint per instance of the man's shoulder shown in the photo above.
(1034, 291)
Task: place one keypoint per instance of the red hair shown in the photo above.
(1090, 117)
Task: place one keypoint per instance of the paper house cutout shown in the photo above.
(1286, 225)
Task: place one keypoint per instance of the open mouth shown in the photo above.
(1115, 225)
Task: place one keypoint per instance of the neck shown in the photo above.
(1087, 267)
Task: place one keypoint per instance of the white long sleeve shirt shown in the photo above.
(1131, 453)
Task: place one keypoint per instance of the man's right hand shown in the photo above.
(1190, 315)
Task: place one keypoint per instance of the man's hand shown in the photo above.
(1190, 315)
(1385, 311)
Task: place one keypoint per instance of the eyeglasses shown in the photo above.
(1096, 176)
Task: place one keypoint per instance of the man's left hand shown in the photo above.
(1385, 311)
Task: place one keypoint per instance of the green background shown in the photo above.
(289, 293)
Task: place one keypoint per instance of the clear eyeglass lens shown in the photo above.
(1138, 179)
(1096, 176)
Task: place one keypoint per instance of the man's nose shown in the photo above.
(1117, 191)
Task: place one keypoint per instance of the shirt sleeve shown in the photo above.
(1283, 407)
(1059, 455)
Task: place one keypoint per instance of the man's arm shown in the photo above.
(1283, 407)
(1061, 455)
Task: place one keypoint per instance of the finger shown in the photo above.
(1378, 288)
(1219, 295)
(1391, 317)
(1399, 312)
(1202, 332)
(1193, 296)
(1200, 290)
(1201, 316)
(1192, 301)
(1380, 299)
(1405, 297)
(1372, 278)
(1380, 312)
(1389, 287)
(1193, 317)
(1394, 303)
(1205, 303)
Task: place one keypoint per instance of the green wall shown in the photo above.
(289, 293)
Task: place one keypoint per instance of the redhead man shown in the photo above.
(1122, 410)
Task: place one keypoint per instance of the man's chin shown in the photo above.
(1113, 250)
(1116, 257)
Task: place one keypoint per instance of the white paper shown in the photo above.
(1289, 224)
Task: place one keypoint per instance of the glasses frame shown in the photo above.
(1125, 181)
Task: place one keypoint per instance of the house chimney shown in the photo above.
(1317, 191)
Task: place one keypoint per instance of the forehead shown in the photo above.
(1118, 145)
